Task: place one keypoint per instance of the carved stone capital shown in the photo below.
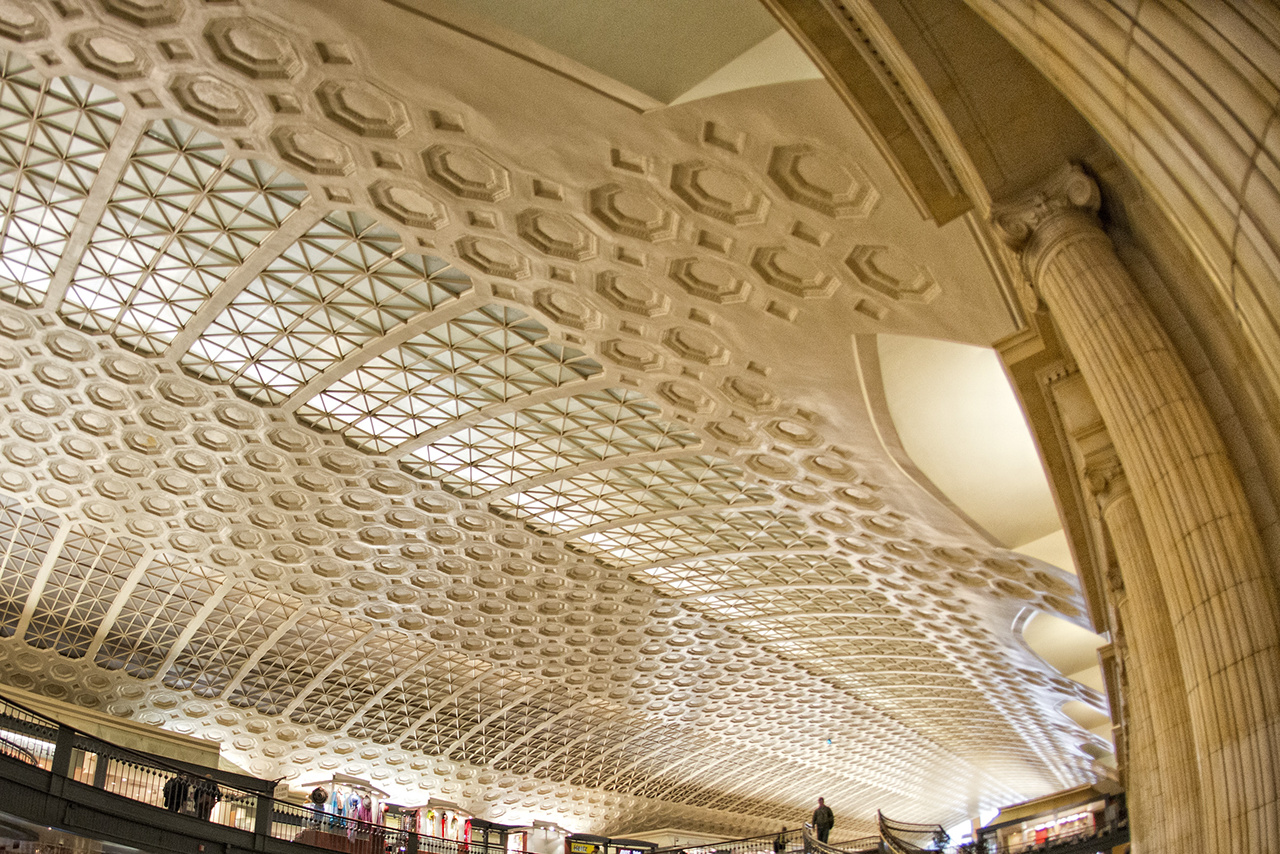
(1115, 588)
(1104, 476)
(1069, 190)
(1064, 205)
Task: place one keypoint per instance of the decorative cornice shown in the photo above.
(856, 60)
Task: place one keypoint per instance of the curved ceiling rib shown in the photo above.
(770, 588)
(393, 339)
(198, 619)
(291, 230)
(588, 468)
(258, 654)
(324, 673)
(493, 716)
(108, 173)
(783, 616)
(118, 604)
(41, 578)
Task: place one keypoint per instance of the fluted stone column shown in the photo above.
(1221, 594)
(1163, 764)
(1142, 774)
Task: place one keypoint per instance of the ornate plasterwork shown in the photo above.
(343, 440)
(200, 509)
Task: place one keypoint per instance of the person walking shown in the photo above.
(780, 842)
(823, 820)
(206, 795)
(175, 792)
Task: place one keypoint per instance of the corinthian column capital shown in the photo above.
(1035, 225)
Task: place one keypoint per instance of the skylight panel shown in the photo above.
(182, 218)
(54, 135)
(546, 438)
(491, 355)
(697, 534)
(615, 494)
(343, 284)
(165, 600)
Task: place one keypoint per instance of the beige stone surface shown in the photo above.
(1202, 535)
(1163, 762)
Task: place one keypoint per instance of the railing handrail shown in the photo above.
(890, 831)
(309, 816)
(861, 843)
(118, 751)
(763, 839)
(11, 702)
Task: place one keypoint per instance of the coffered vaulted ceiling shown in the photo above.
(378, 400)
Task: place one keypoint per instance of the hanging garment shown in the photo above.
(352, 813)
(336, 800)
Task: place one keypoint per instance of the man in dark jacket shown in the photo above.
(823, 820)
(175, 792)
(205, 794)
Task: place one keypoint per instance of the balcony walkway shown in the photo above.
(57, 776)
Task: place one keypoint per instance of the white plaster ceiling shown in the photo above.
(1067, 647)
(669, 50)
(958, 419)
(1073, 652)
(380, 401)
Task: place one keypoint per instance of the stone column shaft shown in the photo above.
(1221, 593)
(1142, 773)
(1165, 802)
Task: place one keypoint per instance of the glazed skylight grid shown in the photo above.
(781, 627)
(749, 603)
(548, 437)
(491, 355)
(307, 648)
(182, 218)
(359, 677)
(410, 692)
(708, 575)
(626, 491)
(344, 284)
(239, 624)
(25, 538)
(85, 578)
(54, 135)
(695, 534)
(165, 600)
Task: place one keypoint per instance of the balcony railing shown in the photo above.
(798, 841)
(244, 804)
(209, 795)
